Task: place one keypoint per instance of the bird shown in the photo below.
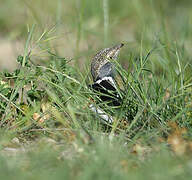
(103, 74)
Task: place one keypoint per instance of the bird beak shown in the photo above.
(120, 45)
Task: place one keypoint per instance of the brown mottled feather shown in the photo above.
(103, 57)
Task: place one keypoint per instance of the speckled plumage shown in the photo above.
(106, 89)
(101, 65)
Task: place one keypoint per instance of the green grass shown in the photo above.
(44, 103)
(103, 160)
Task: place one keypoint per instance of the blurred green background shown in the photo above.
(81, 27)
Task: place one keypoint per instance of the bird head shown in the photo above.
(112, 53)
(101, 65)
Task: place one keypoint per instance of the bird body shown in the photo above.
(105, 86)
(102, 70)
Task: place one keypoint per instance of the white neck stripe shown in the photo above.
(106, 79)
